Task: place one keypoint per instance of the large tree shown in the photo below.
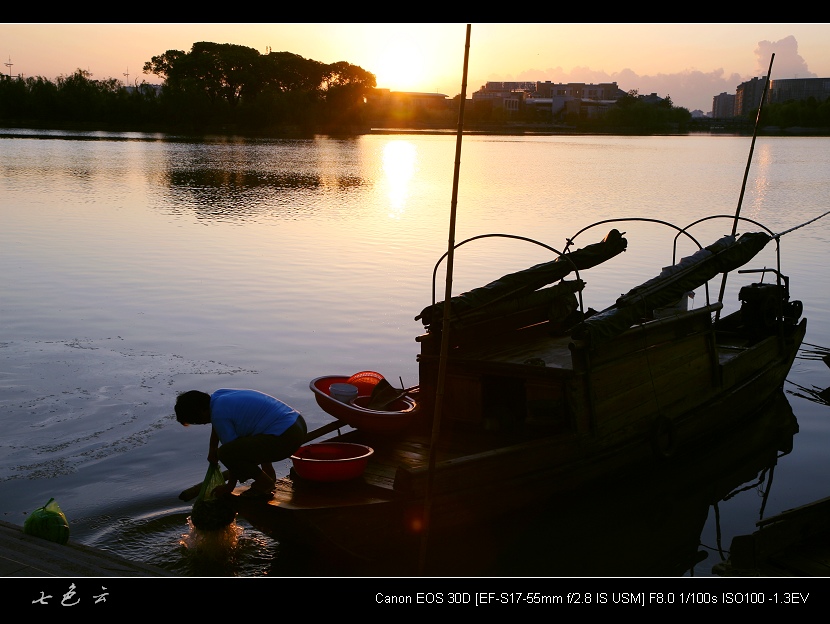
(346, 87)
(284, 71)
(220, 70)
(271, 88)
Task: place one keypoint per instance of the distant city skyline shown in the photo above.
(691, 63)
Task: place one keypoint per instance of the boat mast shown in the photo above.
(746, 171)
(445, 331)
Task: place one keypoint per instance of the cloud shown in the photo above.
(788, 63)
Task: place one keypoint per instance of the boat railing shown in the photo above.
(493, 235)
(566, 253)
(684, 231)
(558, 253)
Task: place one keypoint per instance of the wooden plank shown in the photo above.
(655, 383)
(749, 361)
(664, 330)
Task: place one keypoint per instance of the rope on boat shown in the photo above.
(779, 235)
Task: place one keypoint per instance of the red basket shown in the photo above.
(365, 381)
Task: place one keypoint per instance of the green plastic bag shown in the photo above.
(209, 512)
(213, 478)
(48, 522)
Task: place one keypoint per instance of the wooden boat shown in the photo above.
(540, 397)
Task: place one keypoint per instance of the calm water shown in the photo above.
(137, 266)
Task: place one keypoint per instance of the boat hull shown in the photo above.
(378, 521)
(521, 405)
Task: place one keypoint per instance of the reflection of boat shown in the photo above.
(793, 543)
(539, 398)
(650, 522)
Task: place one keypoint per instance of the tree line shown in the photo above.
(211, 87)
(233, 88)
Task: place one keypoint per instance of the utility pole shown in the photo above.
(9, 65)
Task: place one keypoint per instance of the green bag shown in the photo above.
(213, 479)
(209, 512)
(48, 522)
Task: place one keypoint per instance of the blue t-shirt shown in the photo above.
(237, 413)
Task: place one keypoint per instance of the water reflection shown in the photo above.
(214, 193)
(650, 523)
(762, 162)
(399, 158)
(250, 179)
(816, 394)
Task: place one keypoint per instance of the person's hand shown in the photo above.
(213, 456)
(226, 489)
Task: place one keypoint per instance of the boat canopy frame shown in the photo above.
(680, 231)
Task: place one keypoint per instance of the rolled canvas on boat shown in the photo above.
(528, 280)
(724, 255)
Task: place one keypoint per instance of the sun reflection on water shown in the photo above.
(399, 164)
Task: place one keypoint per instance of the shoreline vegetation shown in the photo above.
(231, 90)
(507, 129)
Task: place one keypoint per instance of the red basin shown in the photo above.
(356, 414)
(331, 461)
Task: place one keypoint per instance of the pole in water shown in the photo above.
(442, 361)
(752, 146)
(746, 172)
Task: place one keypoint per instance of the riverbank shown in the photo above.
(696, 127)
(23, 555)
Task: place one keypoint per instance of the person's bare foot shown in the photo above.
(257, 493)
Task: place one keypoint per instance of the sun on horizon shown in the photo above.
(399, 67)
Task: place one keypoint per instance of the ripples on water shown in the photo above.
(138, 266)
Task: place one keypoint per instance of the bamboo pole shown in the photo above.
(442, 362)
(746, 172)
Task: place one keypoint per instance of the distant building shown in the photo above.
(748, 96)
(781, 91)
(723, 106)
(579, 90)
(582, 99)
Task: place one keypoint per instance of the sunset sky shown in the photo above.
(689, 62)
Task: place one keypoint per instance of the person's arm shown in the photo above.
(213, 456)
(213, 448)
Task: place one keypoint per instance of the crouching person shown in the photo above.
(254, 429)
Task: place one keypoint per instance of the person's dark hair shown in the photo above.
(191, 407)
